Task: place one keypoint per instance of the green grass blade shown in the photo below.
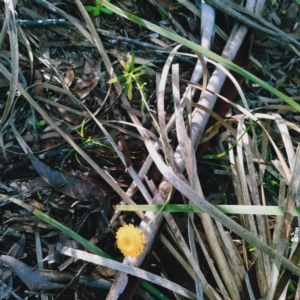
(145, 284)
(226, 209)
(70, 233)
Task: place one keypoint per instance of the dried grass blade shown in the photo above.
(128, 269)
(200, 278)
(264, 145)
(230, 129)
(205, 75)
(183, 139)
(281, 288)
(281, 202)
(209, 291)
(292, 125)
(286, 223)
(256, 117)
(161, 110)
(253, 187)
(212, 211)
(29, 50)
(177, 255)
(211, 264)
(246, 200)
(277, 164)
(188, 156)
(64, 107)
(286, 138)
(248, 285)
(14, 49)
(234, 256)
(192, 243)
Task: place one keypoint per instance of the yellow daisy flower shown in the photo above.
(130, 240)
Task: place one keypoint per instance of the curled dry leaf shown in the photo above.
(69, 77)
(75, 188)
(38, 279)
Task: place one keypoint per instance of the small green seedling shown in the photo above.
(39, 196)
(96, 10)
(85, 141)
(251, 249)
(132, 76)
(40, 123)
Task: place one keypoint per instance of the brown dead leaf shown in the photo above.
(75, 188)
(38, 279)
(37, 90)
(35, 185)
(69, 77)
(122, 145)
(85, 92)
(36, 204)
(85, 86)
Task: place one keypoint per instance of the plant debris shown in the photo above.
(114, 102)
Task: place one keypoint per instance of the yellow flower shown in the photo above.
(130, 240)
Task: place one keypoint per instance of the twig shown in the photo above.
(129, 40)
(46, 22)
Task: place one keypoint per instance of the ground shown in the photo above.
(100, 108)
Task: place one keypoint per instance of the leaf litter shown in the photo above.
(77, 147)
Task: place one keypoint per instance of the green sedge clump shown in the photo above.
(131, 76)
(96, 10)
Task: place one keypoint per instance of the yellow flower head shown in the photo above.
(130, 240)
